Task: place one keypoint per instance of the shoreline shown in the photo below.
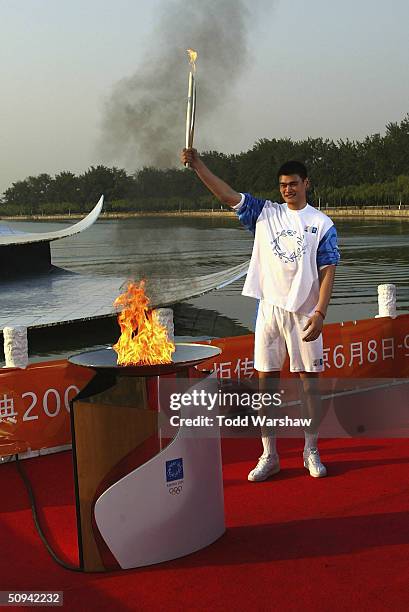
(331, 212)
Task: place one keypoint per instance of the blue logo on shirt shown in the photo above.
(311, 228)
(174, 469)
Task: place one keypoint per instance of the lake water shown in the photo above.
(372, 252)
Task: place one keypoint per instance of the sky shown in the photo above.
(316, 68)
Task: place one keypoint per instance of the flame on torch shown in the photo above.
(192, 58)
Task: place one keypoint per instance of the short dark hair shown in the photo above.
(293, 167)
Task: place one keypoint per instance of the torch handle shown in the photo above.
(190, 113)
(192, 123)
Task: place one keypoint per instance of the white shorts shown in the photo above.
(278, 331)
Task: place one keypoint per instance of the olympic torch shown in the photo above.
(191, 101)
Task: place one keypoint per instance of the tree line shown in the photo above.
(374, 171)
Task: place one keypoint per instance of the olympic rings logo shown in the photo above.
(175, 490)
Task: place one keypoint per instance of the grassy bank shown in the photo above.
(374, 212)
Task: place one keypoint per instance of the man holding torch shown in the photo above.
(291, 273)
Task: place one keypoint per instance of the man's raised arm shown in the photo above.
(223, 192)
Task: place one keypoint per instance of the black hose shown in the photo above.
(26, 481)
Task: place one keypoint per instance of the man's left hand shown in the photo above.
(313, 327)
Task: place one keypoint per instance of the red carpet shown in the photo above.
(292, 543)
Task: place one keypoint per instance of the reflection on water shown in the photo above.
(373, 252)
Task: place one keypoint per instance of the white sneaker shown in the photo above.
(313, 463)
(267, 466)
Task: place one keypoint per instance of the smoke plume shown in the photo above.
(144, 119)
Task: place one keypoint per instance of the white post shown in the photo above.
(164, 316)
(15, 346)
(387, 301)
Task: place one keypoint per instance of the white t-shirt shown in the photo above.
(290, 246)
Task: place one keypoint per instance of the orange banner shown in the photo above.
(372, 348)
(34, 403)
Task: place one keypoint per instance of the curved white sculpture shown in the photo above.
(165, 292)
(13, 237)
